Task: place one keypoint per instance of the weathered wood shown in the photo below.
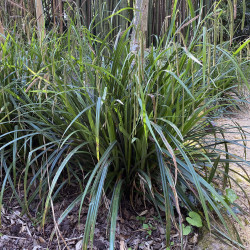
(140, 23)
(40, 19)
(158, 15)
(2, 36)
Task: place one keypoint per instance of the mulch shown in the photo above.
(20, 232)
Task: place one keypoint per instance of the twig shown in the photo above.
(14, 237)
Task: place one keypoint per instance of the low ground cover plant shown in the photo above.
(79, 109)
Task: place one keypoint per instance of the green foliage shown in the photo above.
(194, 219)
(172, 244)
(231, 196)
(186, 230)
(141, 218)
(149, 228)
(241, 21)
(81, 110)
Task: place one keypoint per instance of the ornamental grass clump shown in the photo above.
(79, 109)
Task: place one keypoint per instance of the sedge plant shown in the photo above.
(76, 104)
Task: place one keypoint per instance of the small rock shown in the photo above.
(157, 246)
(99, 244)
(15, 229)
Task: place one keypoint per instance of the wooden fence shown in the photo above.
(92, 13)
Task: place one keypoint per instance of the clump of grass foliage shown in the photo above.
(78, 109)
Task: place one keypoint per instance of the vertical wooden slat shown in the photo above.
(54, 11)
(157, 21)
(157, 17)
(150, 22)
(84, 13)
(131, 5)
(140, 23)
(1, 32)
(123, 22)
(1, 37)
(61, 16)
(40, 19)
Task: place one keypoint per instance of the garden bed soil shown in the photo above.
(18, 232)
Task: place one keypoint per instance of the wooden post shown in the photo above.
(61, 16)
(40, 19)
(2, 36)
(140, 23)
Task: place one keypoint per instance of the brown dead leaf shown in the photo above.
(80, 227)
(194, 239)
(143, 212)
(41, 239)
(161, 230)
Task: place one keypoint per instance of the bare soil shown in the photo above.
(243, 119)
(209, 242)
